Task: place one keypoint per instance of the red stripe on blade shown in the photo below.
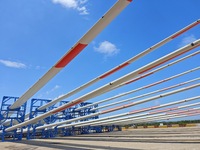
(153, 84)
(140, 110)
(68, 106)
(112, 109)
(185, 29)
(71, 55)
(138, 78)
(168, 60)
(114, 70)
(163, 110)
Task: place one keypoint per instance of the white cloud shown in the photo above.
(37, 67)
(187, 40)
(53, 89)
(78, 5)
(13, 64)
(83, 10)
(107, 48)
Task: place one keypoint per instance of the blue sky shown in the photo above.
(34, 35)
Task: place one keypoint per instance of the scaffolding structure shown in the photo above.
(8, 120)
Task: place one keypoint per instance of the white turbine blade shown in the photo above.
(129, 114)
(109, 110)
(138, 89)
(124, 64)
(115, 83)
(124, 114)
(74, 51)
(147, 94)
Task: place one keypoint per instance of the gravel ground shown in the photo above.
(137, 139)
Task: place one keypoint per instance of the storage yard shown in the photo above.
(132, 110)
(186, 138)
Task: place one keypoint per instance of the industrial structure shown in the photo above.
(60, 117)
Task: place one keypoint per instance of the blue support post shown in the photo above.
(19, 116)
(9, 117)
(85, 130)
(34, 112)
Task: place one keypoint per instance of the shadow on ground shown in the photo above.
(69, 146)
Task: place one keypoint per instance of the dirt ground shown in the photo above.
(136, 139)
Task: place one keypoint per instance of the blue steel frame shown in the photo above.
(34, 112)
(49, 133)
(83, 112)
(7, 120)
